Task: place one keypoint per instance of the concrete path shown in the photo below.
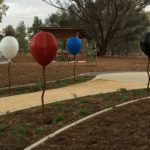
(103, 83)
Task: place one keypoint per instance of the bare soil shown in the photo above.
(25, 70)
(126, 128)
(22, 128)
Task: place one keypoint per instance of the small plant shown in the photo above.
(123, 91)
(39, 85)
(21, 90)
(61, 83)
(7, 115)
(21, 131)
(107, 105)
(74, 95)
(58, 118)
(58, 105)
(82, 78)
(83, 112)
(120, 97)
(82, 101)
(1, 92)
(39, 130)
(104, 97)
(2, 128)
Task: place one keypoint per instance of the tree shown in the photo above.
(62, 18)
(35, 28)
(9, 31)
(3, 9)
(103, 19)
(21, 36)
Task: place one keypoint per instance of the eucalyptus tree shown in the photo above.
(103, 19)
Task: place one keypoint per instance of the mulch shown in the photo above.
(22, 128)
(125, 128)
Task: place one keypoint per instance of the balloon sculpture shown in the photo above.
(9, 48)
(145, 46)
(43, 49)
(74, 45)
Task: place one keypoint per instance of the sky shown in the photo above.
(25, 10)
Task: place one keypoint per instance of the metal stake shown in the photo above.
(44, 88)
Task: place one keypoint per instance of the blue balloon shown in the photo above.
(74, 45)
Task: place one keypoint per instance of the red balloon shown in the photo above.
(43, 47)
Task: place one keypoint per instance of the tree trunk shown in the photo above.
(101, 50)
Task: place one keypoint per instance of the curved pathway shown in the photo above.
(103, 83)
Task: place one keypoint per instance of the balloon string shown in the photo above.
(44, 88)
(74, 70)
(9, 77)
(148, 73)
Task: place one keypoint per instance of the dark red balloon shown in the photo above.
(43, 47)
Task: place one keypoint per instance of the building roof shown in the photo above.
(65, 32)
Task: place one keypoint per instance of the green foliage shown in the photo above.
(62, 44)
(2, 129)
(61, 83)
(1, 92)
(40, 85)
(21, 37)
(104, 97)
(62, 18)
(58, 105)
(20, 131)
(82, 101)
(58, 118)
(3, 9)
(137, 92)
(9, 31)
(123, 91)
(112, 24)
(83, 112)
(121, 97)
(21, 90)
(35, 28)
(7, 116)
(39, 131)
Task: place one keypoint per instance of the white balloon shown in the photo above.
(9, 47)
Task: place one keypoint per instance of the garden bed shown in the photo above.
(39, 86)
(126, 128)
(22, 128)
(24, 70)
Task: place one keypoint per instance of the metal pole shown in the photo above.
(9, 77)
(44, 88)
(148, 73)
(74, 70)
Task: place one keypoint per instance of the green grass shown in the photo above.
(39, 131)
(20, 131)
(104, 97)
(82, 101)
(21, 90)
(83, 112)
(123, 91)
(58, 105)
(7, 116)
(58, 118)
(2, 129)
(39, 85)
(1, 92)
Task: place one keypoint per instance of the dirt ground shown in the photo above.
(22, 128)
(126, 128)
(24, 70)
